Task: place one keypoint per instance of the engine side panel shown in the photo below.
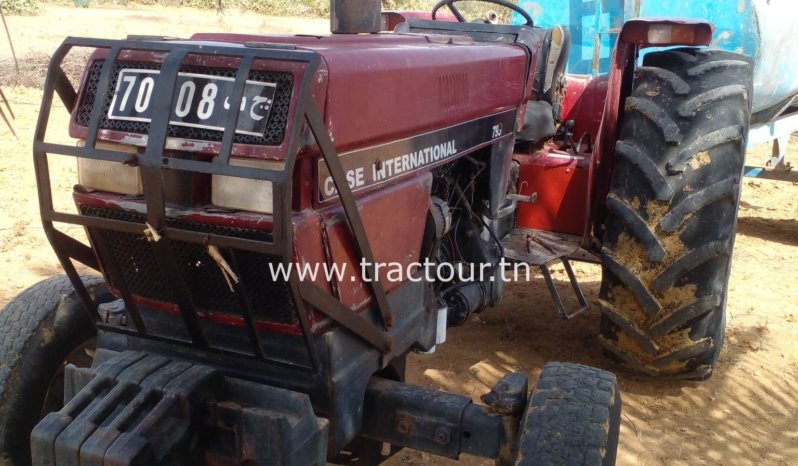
(394, 219)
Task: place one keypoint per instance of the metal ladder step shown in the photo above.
(543, 249)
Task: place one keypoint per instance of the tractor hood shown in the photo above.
(370, 89)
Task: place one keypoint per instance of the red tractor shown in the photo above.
(208, 166)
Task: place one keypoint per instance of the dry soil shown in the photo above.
(745, 414)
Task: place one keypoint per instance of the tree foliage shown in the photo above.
(19, 7)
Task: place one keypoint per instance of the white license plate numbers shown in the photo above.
(200, 101)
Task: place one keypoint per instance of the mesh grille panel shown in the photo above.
(275, 129)
(138, 264)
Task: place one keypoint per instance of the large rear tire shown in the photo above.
(573, 417)
(41, 330)
(672, 212)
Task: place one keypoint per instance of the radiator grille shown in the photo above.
(275, 129)
(135, 257)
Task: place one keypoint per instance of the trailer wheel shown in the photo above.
(672, 212)
(573, 417)
(41, 330)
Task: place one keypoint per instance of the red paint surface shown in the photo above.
(225, 219)
(384, 86)
(560, 181)
(394, 219)
(214, 317)
(309, 249)
(584, 103)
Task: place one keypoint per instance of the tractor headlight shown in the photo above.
(106, 175)
(230, 192)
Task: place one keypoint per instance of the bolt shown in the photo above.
(404, 426)
(442, 435)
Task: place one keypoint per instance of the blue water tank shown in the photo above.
(766, 30)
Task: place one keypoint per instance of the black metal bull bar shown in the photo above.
(152, 162)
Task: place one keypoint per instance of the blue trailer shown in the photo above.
(766, 30)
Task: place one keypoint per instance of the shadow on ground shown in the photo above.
(745, 414)
(780, 230)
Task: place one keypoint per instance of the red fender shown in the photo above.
(635, 34)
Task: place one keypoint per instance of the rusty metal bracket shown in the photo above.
(350, 210)
(555, 294)
(446, 424)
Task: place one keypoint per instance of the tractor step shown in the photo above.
(544, 248)
(538, 247)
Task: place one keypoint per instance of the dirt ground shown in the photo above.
(745, 414)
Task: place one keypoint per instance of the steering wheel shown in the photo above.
(450, 3)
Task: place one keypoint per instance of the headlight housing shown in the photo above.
(227, 192)
(106, 175)
(230, 192)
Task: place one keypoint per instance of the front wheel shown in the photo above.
(672, 212)
(573, 417)
(41, 330)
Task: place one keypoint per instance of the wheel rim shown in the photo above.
(81, 356)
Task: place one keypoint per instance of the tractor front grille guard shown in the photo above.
(152, 161)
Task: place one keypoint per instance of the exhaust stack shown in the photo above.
(355, 16)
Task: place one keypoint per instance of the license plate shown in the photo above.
(200, 101)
